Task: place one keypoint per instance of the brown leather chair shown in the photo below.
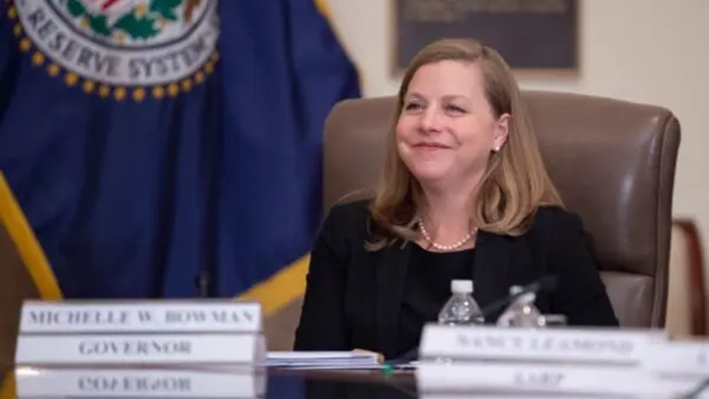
(687, 297)
(613, 162)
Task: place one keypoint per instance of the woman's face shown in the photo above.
(447, 128)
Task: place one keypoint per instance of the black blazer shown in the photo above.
(353, 296)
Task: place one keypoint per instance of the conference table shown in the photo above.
(351, 384)
(319, 384)
(287, 384)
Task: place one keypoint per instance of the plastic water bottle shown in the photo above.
(522, 312)
(461, 308)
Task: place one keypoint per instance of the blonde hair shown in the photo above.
(516, 181)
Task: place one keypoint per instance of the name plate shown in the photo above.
(141, 332)
(141, 349)
(140, 316)
(559, 379)
(568, 345)
(678, 359)
(138, 383)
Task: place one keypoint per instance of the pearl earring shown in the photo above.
(496, 149)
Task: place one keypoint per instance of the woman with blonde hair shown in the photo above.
(464, 195)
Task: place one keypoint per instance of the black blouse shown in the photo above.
(428, 288)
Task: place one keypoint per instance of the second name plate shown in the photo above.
(569, 345)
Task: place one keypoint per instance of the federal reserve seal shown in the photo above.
(120, 47)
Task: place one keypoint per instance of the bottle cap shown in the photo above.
(516, 289)
(528, 298)
(462, 286)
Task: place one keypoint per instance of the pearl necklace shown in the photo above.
(441, 247)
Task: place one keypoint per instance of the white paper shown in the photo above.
(322, 360)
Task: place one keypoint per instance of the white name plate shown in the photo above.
(568, 345)
(134, 349)
(679, 359)
(567, 379)
(140, 316)
(138, 383)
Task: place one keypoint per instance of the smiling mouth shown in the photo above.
(431, 146)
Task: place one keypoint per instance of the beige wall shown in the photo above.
(653, 51)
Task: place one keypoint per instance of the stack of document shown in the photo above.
(323, 360)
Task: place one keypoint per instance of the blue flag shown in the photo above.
(151, 141)
(270, 212)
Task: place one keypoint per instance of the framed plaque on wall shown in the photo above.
(534, 36)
